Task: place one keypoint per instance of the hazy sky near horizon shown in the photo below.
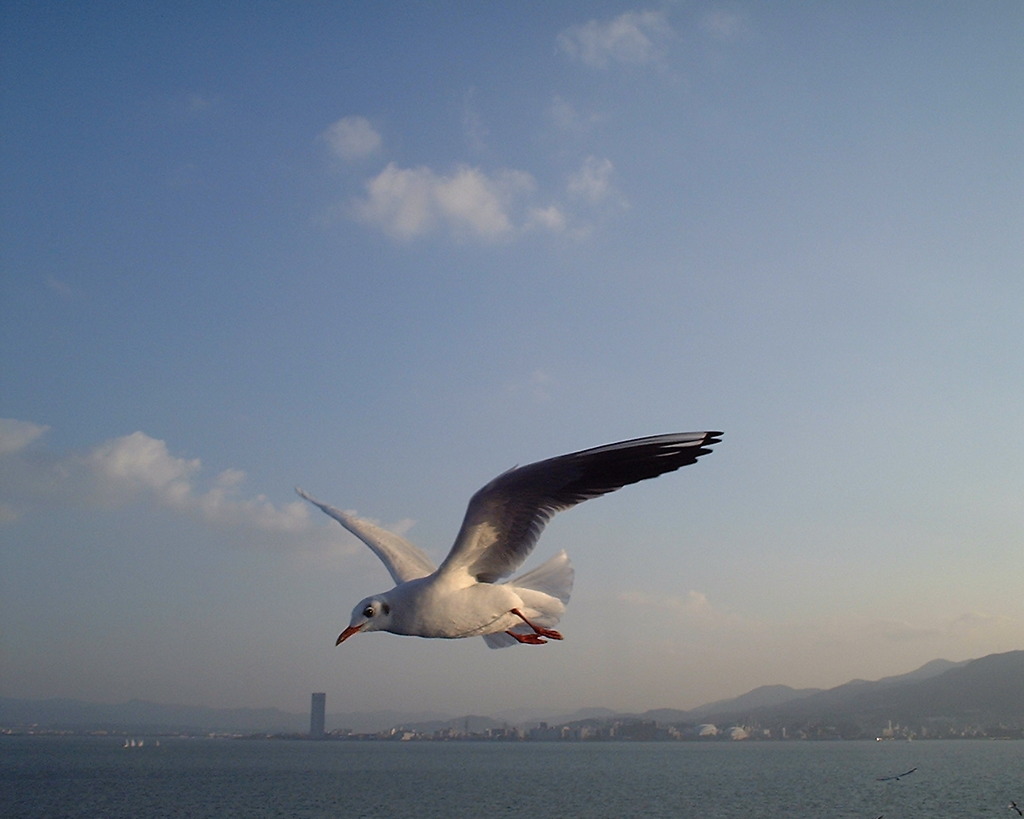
(386, 251)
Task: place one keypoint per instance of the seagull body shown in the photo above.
(463, 596)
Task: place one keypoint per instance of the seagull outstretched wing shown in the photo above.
(403, 560)
(506, 517)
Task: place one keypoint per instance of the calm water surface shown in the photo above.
(97, 777)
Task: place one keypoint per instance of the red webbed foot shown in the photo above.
(539, 631)
(530, 639)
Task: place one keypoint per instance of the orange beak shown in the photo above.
(346, 634)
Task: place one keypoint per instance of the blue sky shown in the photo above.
(386, 252)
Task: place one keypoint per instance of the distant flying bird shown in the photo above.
(463, 598)
(1014, 806)
(897, 776)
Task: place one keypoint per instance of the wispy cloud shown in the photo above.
(568, 119)
(130, 467)
(15, 435)
(140, 463)
(551, 218)
(137, 461)
(468, 202)
(352, 138)
(592, 182)
(636, 37)
(408, 203)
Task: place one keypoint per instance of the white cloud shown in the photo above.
(16, 435)
(551, 218)
(592, 182)
(566, 117)
(133, 467)
(139, 463)
(469, 202)
(470, 199)
(411, 202)
(399, 200)
(352, 138)
(224, 504)
(633, 37)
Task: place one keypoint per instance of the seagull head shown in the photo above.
(372, 614)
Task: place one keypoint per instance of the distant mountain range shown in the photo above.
(986, 691)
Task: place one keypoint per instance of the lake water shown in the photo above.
(97, 777)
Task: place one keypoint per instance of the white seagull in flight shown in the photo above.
(462, 597)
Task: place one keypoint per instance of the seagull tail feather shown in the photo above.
(554, 578)
(545, 593)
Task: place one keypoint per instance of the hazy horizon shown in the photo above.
(518, 710)
(386, 253)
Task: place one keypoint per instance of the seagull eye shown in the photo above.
(368, 611)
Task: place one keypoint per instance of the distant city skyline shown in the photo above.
(387, 252)
(939, 700)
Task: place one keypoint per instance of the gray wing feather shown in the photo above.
(506, 517)
(403, 560)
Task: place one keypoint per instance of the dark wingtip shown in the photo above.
(710, 439)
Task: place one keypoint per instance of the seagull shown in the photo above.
(463, 596)
(897, 776)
